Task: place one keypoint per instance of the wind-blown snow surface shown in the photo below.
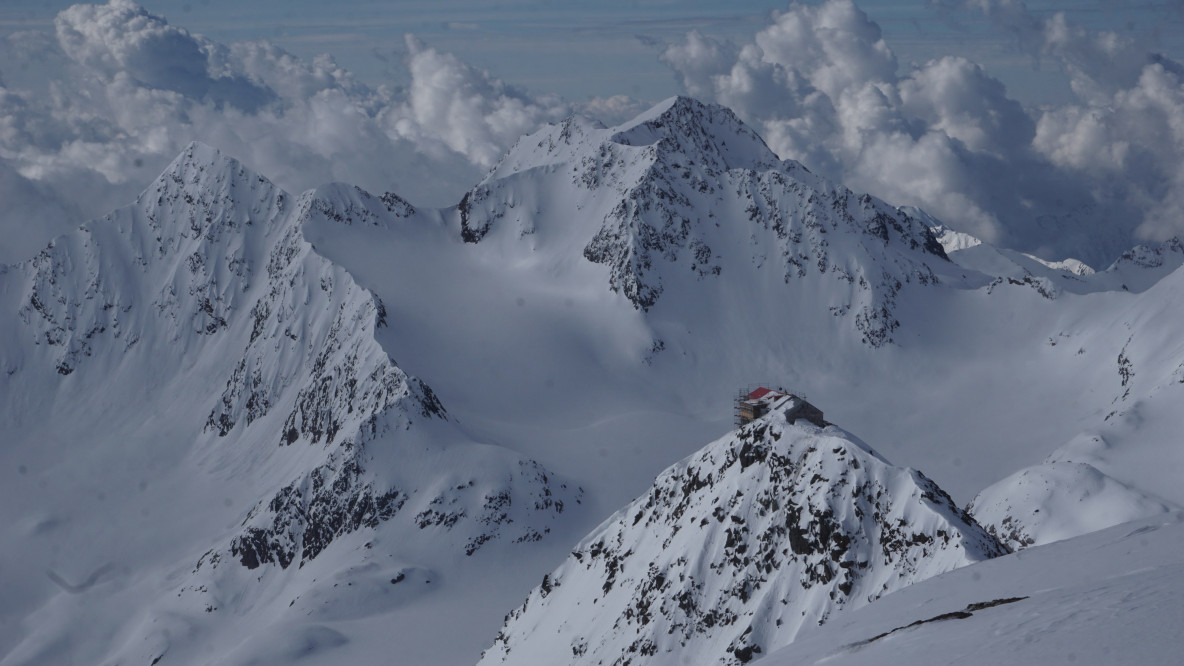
(1110, 597)
(592, 305)
(736, 549)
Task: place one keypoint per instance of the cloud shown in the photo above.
(955, 97)
(90, 114)
(821, 84)
(1134, 137)
(32, 211)
(1126, 135)
(613, 110)
(1085, 179)
(465, 108)
(834, 45)
(121, 39)
(1098, 63)
(700, 61)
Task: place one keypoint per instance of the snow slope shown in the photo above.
(735, 550)
(1059, 500)
(1110, 597)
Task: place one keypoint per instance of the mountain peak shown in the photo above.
(708, 134)
(707, 131)
(204, 190)
(686, 191)
(734, 550)
(200, 167)
(198, 156)
(676, 105)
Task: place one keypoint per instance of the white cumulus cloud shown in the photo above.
(1086, 179)
(103, 103)
(465, 108)
(91, 112)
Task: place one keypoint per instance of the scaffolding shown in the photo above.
(747, 408)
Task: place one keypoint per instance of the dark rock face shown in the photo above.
(738, 547)
(307, 516)
(340, 497)
(1150, 256)
(473, 227)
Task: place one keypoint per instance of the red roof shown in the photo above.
(761, 392)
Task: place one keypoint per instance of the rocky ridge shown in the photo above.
(206, 284)
(734, 550)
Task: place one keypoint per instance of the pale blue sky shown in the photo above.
(585, 49)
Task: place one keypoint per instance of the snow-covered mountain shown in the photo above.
(1060, 500)
(685, 190)
(733, 551)
(196, 342)
(211, 453)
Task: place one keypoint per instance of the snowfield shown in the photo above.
(1112, 597)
